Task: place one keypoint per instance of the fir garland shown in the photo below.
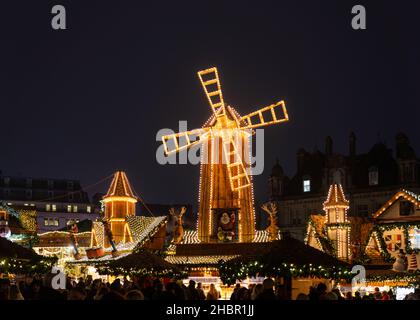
(30, 267)
(230, 272)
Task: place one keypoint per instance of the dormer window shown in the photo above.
(373, 176)
(306, 185)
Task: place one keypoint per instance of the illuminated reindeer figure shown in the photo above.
(178, 229)
(272, 229)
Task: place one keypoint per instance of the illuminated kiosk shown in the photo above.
(226, 204)
(116, 235)
(373, 242)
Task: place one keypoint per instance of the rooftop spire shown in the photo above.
(336, 197)
(120, 186)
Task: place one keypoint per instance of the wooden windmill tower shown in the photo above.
(226, 208)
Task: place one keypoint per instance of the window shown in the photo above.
(48, 207)
(88, 209)
(68, 208)
(28, 194)
(75, 209)
(51, 222)
(71, 197)
(306, 185)
(29, 183)
(6, 181)
(70, 185)
(373, 176)
(50, 194)
(54, 207)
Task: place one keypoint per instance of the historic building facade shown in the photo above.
(369, 180)
(57, 202)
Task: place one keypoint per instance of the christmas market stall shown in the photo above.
(294, 265)
(16, 260)
(387, 245)
(142, 263)
(119, 233)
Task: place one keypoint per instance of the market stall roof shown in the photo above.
(142, 262)
(290, 250)
(9, 249)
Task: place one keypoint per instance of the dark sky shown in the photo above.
(84, 102)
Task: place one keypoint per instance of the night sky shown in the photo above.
(83, 102)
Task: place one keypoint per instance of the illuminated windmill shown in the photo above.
(226, 208)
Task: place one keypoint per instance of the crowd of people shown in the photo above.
(156, 289)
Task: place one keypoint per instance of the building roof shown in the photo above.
(336, 197)
(291, 251)
(120, 186)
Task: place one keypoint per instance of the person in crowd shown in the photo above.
(268, 291)
(302, 296)
(201, 294)
(77, 293)
(158, 290)
(14, 293)
(349, 296)
(213, 294)
(413, 295)
(235, 292)
(4, 289)
(243, 294)
(134, 295)
(102, 291)
(337, 292)
(192, 292)
(377, 294)
(329, 296)
(357, 296)
(258, 288)
(179, 291)
(385, 295)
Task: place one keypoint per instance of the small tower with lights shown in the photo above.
(120, 203)
(336, 221)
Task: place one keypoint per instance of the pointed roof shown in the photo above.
(406, 194)
(336, 197)
(120, 186)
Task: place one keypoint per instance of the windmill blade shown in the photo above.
(272, 114)
(209, 79)
(180, 141)
(238, 176)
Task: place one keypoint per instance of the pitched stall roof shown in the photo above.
(120, 186)
(407, 195)
(9, 249)
(141, 228)
(290, 250)
(336, 197)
